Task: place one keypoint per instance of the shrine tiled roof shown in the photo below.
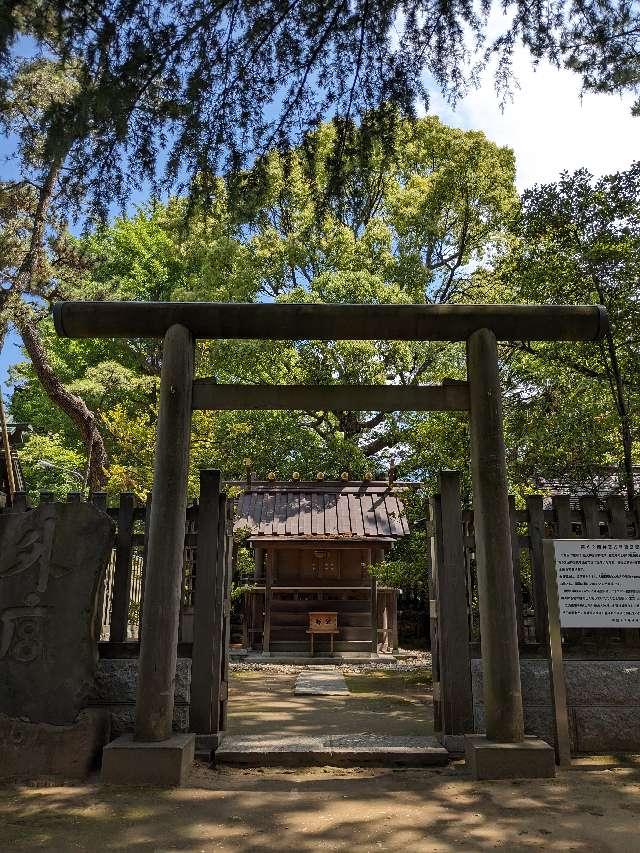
(314, 510)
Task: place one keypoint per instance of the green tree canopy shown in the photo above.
(577, 241)
(407, 225)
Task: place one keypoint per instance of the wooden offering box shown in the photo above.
(322, 622)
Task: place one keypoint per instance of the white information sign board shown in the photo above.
(598, 582)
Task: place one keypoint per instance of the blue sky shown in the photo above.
(549, 124)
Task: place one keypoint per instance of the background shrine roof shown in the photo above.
(319, 509)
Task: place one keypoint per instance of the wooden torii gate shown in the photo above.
(504, 751)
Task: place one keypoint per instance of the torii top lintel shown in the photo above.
(286, 321)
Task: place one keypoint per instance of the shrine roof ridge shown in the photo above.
(331, 486)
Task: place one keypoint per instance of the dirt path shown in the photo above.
(384, 703)
(295, 811)
(329, 809)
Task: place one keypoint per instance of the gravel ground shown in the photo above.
(414, 660)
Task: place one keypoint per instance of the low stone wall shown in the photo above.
(603, 701)
(115, 689)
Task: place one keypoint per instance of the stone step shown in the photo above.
(338, 750)
(299, 633)
(321, 646)
(302, 659)
(320, 681)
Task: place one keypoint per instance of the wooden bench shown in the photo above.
(322, 622)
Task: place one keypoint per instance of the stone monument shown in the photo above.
(52, 561)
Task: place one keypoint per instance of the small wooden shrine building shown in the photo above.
(314, 543)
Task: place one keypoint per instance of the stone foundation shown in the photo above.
(603, 702)
(115, 690)
(162, 764)
(30, 750)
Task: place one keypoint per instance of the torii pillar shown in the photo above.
(504, 751)
(155, 755)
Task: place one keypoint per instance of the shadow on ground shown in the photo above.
(589, 811)
(409, 810)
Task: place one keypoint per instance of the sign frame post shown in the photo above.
(562, 741)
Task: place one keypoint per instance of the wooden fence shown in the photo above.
(121, 598)
(559, 517)
(453, 587)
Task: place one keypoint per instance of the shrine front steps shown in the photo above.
(336, 750)
(301, 647)
(304, 659)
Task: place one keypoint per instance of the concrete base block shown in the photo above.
(454, 744)
(531, 759)
(31, 750)
(164, 764)
(206, 746)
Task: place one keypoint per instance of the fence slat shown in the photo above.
(20, 502)
(122, 575)
(561, 508)
(207, 621)
(535, 526)
(515, 558)
(99, 500)
(452, 619)
(590, 517)
(636, 515)
(145, 551)
(618, 529)
(617, 517)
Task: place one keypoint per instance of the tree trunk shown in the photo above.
(619, 397)
(617, 387)
(72, 405)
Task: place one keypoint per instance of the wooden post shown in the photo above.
(498, 626)
(556, 663)
(226, 616)
(266, 628)
(145, 557)
(434, 511)
(386, 644)
(158, 646)
(618, 529)
(535, 529)
(206, 614)
(515, 557)
(122, 571)
(258, 555)
(394, 621)
(99, 500)
(374, 609)
(456, 704)
(20, 502)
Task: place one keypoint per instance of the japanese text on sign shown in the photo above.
(598, 582)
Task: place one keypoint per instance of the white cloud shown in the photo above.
(549, 125)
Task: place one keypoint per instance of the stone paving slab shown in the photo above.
(320, 681)
(348, 750)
